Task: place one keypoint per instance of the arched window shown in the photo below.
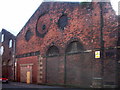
(53, 51)
(74, 47)
(2, 38)
(10, 43)
(1, 50)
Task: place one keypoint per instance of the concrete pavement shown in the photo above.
(18, 85)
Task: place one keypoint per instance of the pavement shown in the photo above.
(24, 86)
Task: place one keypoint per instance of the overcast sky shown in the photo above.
(15, 13)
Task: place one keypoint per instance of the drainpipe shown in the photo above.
(14, 60)
(102, 42)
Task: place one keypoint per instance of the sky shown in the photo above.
(14, 14)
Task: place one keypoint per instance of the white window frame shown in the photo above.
(10, 43)
(2, 38)
(1, 50)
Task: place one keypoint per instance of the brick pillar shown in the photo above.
(41, 69)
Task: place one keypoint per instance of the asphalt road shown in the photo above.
(24, 86)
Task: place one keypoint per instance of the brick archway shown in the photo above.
(77, 65)
(52, 65)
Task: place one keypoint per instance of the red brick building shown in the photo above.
(7, 45)
(58, 44)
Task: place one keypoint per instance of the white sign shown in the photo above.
(97, 54)
(15, 64)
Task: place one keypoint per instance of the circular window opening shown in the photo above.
(62, 22)
(43, 27)
(28, 35)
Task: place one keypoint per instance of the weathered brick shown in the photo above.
(84, 25)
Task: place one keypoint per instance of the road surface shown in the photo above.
(24, 86)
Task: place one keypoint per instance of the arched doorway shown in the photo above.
(77, 66)
(52, 65)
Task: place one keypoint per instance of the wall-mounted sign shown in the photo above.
(97, 54)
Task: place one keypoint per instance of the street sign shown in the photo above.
(97, 54)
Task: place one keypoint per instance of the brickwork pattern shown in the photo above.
(84, 23)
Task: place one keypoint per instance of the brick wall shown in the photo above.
(83, 24)
(28, 61)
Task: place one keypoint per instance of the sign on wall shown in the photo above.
(97, 54)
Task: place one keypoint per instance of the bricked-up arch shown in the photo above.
(52, 65)
(77, 65)
(74, 47)
(53, 51)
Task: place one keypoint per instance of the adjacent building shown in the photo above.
(7, 53)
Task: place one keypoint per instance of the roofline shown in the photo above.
(7, 31)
